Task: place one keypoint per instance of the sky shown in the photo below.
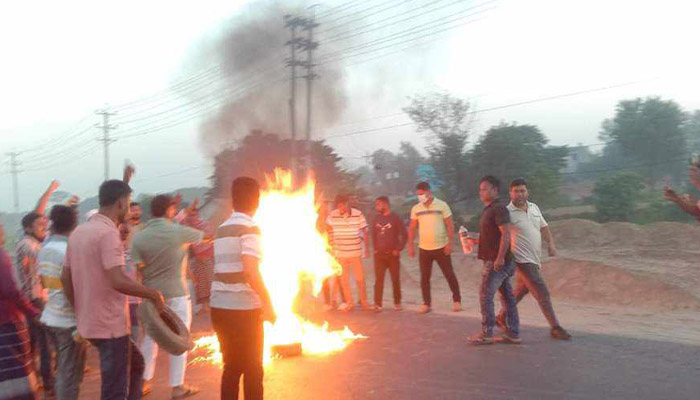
(74, 57)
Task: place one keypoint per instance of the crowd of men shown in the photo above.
(72, 284)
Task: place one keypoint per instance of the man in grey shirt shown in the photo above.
(528, 226)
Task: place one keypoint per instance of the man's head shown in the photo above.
(489, 187)
(36, 225)
(245, 195)
(63, 219)
(423, 192)
(163, 206)
(381, 204)
(134, 213)
(518, 192)
(342, 203)
(115, 197)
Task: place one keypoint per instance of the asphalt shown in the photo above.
(412, 356)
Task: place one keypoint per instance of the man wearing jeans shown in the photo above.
(58, 316)
(528, 227)
(494, 241)
(159, 252)
(433, 220)
(239, 299)
(388, 238)
(94, 282)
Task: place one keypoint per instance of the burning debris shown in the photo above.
(296, 260)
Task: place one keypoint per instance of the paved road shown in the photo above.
(410, 356)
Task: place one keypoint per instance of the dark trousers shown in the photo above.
(70, 357)
(493, 281)
(40, 344)
(240, 334)
(426, 258)
(121, 368)
(382, 262)
(529, 279)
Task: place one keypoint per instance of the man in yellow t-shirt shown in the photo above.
(433, 219)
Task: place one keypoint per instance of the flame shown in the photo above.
(296, 260)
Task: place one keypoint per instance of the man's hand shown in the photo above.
(448, 249)
(269, 314)
(53, 186)
(498, 264)
(74, 200)
(671, 195)
(411, 251)
(129, 171)
(192, 207)
(396, 253)
(552, 251)
(158, 301)
(366, 255)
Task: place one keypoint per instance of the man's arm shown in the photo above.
(686, 205)
(67, 281)
(44, 199)
(128, 173)
(123, 284)
(450, 226)
(411, 236)
(547, 236)
(254, 279)
(503, 246)
(365, 238)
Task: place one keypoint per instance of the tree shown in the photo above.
(408, 161)
(259, 154)
(615, 196)
(510, 151)
(650, 132)
(444, 119)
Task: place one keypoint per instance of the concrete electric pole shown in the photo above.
(14, 170)
(105, 139)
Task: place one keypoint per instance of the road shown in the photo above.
(412, 356)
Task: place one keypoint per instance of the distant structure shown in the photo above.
(578, 155)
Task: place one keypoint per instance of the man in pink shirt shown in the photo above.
(94, 282)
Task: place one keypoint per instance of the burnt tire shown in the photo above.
(166, 329)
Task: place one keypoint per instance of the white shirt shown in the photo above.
(526, 237)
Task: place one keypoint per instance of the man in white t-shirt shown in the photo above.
(528, 226)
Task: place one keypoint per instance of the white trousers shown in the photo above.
(178, 364)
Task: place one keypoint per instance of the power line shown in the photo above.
(106, 139)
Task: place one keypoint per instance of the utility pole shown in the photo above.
(14, 170)
(105, 139)
(309, 46)
(293, 23)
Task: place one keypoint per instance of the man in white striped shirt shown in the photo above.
(239, 299)
(58, 315)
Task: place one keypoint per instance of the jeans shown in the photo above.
(382, 262)
(135, 326)
(352, 265)
(71, 362)
(149, 349)
(240, 334)
(425, 259)
(121, 368)
(40, 343)
(528, 278)
(491, 282)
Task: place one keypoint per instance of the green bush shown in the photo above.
(615, 196)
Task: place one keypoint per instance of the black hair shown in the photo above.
(160, 204)
(383, 199)
(518, 182)
(135, 204)
(493, 181)
(63, 219)
(342, 199)
(425, 186)
(245, 194)
(28, 220)
(112, 191)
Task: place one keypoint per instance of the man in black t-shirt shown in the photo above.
(494, 244)
(388, 238)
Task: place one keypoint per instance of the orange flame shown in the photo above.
(296, 255)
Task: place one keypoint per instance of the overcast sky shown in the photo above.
(63, 60)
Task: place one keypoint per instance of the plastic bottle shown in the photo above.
(463, 236)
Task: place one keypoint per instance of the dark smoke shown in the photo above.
(252, 43)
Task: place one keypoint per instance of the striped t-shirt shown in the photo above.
(237, 236)
(346, 233)
(58, 312)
